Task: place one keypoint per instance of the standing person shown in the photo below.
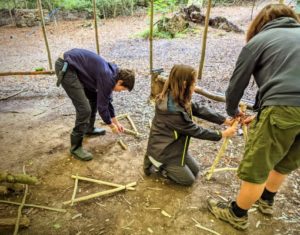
(172, 128)
(89, 81)
(272, 56)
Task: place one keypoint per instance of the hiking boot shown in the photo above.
(223, 211)
(96, 131)
(265, 207)
(81, 154)
(76, 148)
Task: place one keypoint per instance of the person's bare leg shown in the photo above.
(274, 181)
(249, 193)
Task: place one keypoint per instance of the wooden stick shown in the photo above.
(122, 144)
(44, 33)
(21, 207)
(7, 97)
(204, 38)
(7, 223)
(204, 228)
(94, 195)
(130, 132)
(96, 26)
(223, 169)
(35, 206)
(101, 182)
(26, 73)
(151, 38)
(220, 153)
(75, 190)
(132, 123)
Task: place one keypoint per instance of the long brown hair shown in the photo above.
(267, 14)
(180, 82)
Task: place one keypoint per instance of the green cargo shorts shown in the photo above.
(273, 144)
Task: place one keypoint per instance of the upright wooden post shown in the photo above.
(44, 33)
(204, 38)
(96, 26)
(151, 34)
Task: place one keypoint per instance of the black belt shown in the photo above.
(62, 72)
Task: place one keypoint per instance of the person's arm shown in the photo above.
(185, 126)
(207, 114)
(239, 81)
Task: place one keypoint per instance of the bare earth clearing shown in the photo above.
(35, 127)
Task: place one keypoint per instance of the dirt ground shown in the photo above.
(35, 127)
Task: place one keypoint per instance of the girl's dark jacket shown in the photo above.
(171, 132)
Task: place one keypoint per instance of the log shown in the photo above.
(9, 223)
(17, 178)
(3, 190)
(26, 73)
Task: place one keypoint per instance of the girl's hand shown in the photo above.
(229, 121)
(229, 132)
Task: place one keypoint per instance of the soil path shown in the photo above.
(35, 127)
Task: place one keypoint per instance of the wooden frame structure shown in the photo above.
(51, 71)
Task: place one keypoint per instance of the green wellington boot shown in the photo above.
(76, 149)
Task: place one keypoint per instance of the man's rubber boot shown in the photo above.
(95, 131)
(76, 149)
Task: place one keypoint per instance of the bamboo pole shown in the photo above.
(96, 26)
(205, 93)
(101, 182)
(44, 33)
(35, 206)
(130, 132)
(21, 207)
(26, 73)
(132, 124)
(151, 34)
(94, 195)
(122, 144)
(204, 38)
(220, 153)
(75, 190)
(281, 1)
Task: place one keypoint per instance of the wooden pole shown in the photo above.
(151, 34)
(281, 1)
(205, 93)
(253, 5)
(35, 206)
(100, 182)
(204, 38)
(8, 223)
(94, 195)
(44, 33)
(96, 26)
(26, 73)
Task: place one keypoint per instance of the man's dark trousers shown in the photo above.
(84, 101)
